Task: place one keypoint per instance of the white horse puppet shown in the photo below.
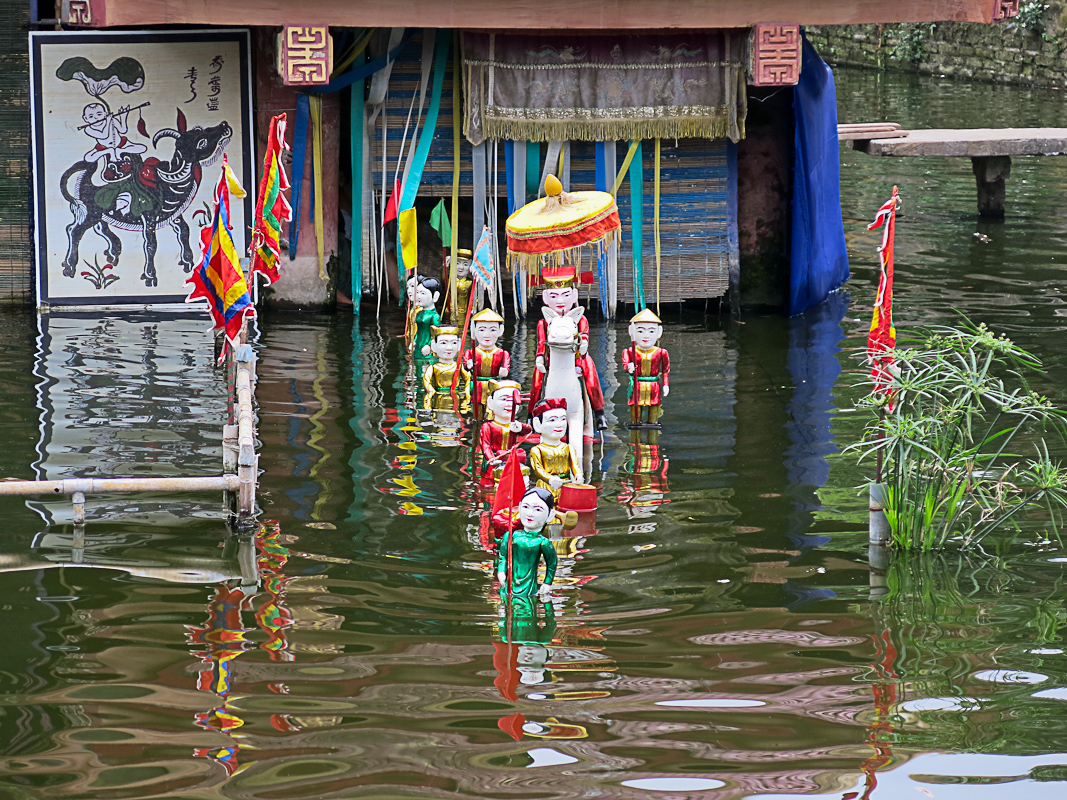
(562, 379)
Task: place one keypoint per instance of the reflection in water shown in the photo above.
(131, 395)
(715, 635)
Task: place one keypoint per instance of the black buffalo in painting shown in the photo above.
(133, 193)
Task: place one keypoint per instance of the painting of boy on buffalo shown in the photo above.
(124, 143)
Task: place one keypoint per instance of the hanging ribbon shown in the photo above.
(362, 72)
(429, 128)
(317, 196)
(637, 219)
(655, 222)
(300, 140)
(478, 188)
(355, 149)
(355, 51)
(634, 146)
(454, 243)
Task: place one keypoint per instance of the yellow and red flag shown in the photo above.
(219, 278)
(883, 336)
(272, 207)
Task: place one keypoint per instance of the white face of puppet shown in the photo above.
(531, 660)
(560, 300)
(424, 298)
(413, 284)
(502, 404)
(533, 512)
(463, 268)
(645, 334)
(487, 334)
(445, 347)
(552, 425)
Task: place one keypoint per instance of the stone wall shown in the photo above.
(1032, 51)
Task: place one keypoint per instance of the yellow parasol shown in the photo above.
(556, 229)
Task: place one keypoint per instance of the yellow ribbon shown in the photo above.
(626, 164)
(357, 48)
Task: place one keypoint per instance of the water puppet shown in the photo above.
(501, 431)
(522, 550)
(427, 295)
(552, 461)
(649, 368)
(486, 361)
(560, 295)
(445, 390)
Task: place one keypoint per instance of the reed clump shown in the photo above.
(962, 440)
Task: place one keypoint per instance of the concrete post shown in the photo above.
(301, 285)
(878, 540)
(990, 172)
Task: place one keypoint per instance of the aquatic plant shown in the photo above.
(958, 408)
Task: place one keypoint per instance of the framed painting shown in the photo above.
(129, 130)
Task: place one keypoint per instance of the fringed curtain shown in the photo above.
(581, 87)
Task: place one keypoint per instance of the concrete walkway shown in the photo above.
(990, 151)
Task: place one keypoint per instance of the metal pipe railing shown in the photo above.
(240, 462)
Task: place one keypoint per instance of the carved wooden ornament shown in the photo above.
(82, 13)
(1005, 9)
(305, 55)
(774, 54)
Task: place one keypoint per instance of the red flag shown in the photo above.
(509, 491)
(506, 663)
(391, 208)
(883, 336)
(511, 487)
(512, 725)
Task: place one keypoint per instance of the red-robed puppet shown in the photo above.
(561, 295)
(486, 362)
(501, 432)
(649, 368)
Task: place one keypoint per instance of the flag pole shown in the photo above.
(880, 342)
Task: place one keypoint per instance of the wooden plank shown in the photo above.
(547, 14)
(855, 135)
(889, 126)
(976, 142)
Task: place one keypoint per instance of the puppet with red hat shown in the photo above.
(561, 295)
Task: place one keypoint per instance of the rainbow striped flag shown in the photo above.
(272, 208)
(219, 278)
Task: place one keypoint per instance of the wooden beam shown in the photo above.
(546, 14)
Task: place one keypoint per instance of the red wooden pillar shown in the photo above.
(300, 285)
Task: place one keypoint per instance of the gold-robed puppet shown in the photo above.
(559, 228)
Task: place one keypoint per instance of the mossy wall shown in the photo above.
(1031, 49)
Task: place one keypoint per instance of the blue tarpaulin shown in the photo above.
(818, 261)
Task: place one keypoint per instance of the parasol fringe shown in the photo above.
(533, 263)
(545, 130)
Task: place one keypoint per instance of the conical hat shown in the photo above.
(646, 315)
(487, 315)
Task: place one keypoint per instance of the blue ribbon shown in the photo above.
(363, 71)
(429, 128)
(637, 223)
(300, 141)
